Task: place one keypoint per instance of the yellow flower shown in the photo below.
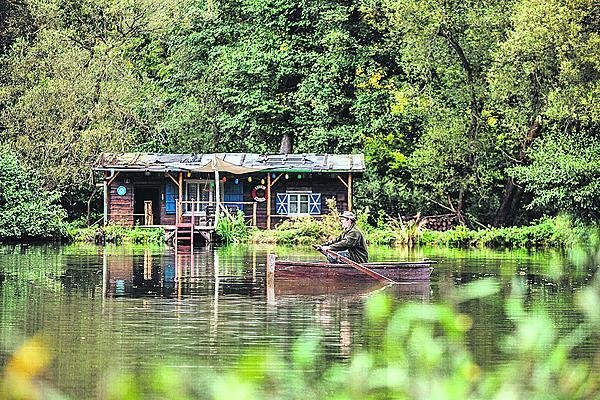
(24, 367)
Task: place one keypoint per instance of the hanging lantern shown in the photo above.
(237, 181)
(273, 175)
(299, 176)
(287, 176)
(249, 179)
(262, 181)
(189, 174)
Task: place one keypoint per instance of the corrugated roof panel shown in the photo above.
(310, 162)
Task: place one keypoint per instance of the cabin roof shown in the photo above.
(238, 163)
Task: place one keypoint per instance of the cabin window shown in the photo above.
(233, 195)
(198, 195)
(170, 199)
(298, 203)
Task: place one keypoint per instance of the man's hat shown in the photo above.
(348, 215)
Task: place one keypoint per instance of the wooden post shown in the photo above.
(148, 214)
(104, 273)
(349, 191)
(269, 184)
(179, 210)
(218, 197)
(254, 214)
(268, 200)
(105, 185)
(271, 278)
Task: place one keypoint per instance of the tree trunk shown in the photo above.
(511, 199)
(475, 105)
(510, 203)
(459, 206)
(287, 142)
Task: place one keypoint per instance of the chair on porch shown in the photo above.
(206, 217)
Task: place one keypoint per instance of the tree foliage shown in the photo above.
(71, 92)
(458, 105)
(26, 210)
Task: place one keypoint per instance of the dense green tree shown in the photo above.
(259, 75)
(564, 175)
(27, 211)
(487, 77)
(545, 93)
(445, 50)
(71, 93)
(16, 22)
(457, 106)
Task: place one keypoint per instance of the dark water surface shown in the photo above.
(109, 308)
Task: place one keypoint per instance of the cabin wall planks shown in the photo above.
(121, 208)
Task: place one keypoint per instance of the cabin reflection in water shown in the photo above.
(170, 274)
(180, 273)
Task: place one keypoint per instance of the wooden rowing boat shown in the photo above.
(407, 271)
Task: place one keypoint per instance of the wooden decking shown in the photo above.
(182, 232)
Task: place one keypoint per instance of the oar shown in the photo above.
(356, 265)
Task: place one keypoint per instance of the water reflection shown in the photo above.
(169, 274)
(179, 274)
(130, 307)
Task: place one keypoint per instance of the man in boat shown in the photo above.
(351, 243)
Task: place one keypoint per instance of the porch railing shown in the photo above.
(201, 212)
(196, 212)
(204, 211)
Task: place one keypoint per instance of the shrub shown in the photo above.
(301, 231)
(81, 235)
(233, 228)
(557, 232)
(116, 234)
(27, 211)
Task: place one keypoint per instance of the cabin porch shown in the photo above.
(189, 193)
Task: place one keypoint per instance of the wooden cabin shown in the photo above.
(173, 190)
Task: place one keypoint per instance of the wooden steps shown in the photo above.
(188, 227)
(184, 235)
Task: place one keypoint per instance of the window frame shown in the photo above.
(200, 183)
(298, 202)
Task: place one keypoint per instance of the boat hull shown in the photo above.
(399, 272)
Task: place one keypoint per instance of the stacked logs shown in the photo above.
(440, 222)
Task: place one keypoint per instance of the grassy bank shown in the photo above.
(115, 234)
(556, 232)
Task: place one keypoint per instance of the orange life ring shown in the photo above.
(259, 193)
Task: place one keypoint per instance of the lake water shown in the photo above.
(131, 307)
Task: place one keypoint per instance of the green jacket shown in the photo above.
(352, 240)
